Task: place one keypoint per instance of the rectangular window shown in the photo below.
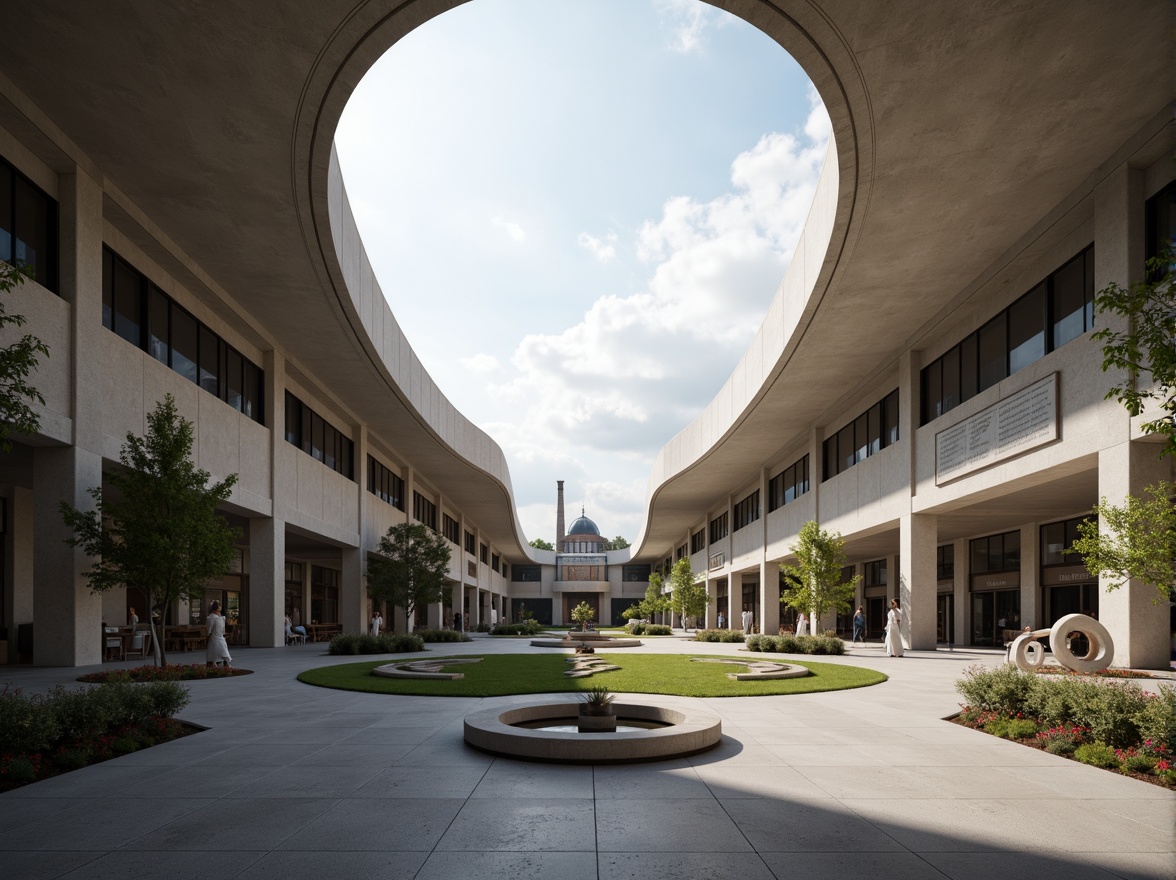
(450, 529)
(945, 562)
(993, 351)
(234, 379)
(128, 302)
(747, 511)
(209, 361)
(484, 554)
(307, 430)
(254, 393)
(933, 391)
(635, 573)
(469, 543)
(107, 275)
(951, 380)
(872, 431)
(185, 332)
(494, 559)
(28, 226)
(1069, 301)
(424, 511)
(874, 573)
(846, 452)
(996, 553)
(384, 484)
(861, 438)
(158, 330)
(890, 419)
(788, 485)
(526, 573)
(1027, 329)
(1159, 225)
(698, 542)
(969, 367)
(324, 595)
(718, 528)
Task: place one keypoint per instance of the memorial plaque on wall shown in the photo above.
(1017, 424)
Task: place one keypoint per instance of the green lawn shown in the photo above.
(639, 674)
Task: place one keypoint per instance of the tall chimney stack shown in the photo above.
(559, 514)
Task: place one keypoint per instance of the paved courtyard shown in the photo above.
(293, 781)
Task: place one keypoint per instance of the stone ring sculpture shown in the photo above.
(1028, 654)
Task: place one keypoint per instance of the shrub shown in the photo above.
(1097, 755)
(1135, 763)
(1063, 739)
(1005, 689)
(440, 635)
(1156, 718)
(526, 628)
(1011, 728)
(25, 725)
(657, 629)
(20, 769)
(756, 643)
(389, 643)
(483, 627)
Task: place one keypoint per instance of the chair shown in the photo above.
(139, 644)
(293, 638)
(114, 647)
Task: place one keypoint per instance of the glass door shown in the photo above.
(944, 618)
(983, 619)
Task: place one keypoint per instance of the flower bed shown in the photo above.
(171, 672)
(1110, 724)
(1101, 673)
(42, 736)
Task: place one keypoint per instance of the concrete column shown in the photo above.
(353, 598)
(267, 582)
(769, 596)
(66, 615)
(734, 603)
(18, 565)
(712, 604)
(916, 581)
(455, 601)
(1030, 576)
(1137, 623)
(81, 284)
(962, 594)
(434, 615)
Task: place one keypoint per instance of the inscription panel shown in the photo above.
(1020, 422)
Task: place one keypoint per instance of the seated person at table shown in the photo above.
(294, 630)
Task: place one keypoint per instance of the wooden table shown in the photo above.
(323, 632)
(185, 638)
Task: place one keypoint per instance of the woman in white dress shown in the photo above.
(377, 622)
(894, 630)
(801, 624)
(218, 648)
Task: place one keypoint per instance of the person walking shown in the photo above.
(859, 626)
(801, 624)
(218, 649)
(722, 620)
(894, 630)
(377, 622)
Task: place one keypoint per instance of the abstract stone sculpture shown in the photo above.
(1028, 654)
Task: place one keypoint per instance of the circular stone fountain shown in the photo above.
(645, 733)
(581, 640)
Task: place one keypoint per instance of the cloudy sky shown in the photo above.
(579, 211)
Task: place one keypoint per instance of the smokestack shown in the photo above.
(559, 514)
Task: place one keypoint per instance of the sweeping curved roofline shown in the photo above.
(333, 237)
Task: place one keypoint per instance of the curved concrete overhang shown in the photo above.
(215, 123)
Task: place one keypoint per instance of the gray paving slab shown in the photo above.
(295, 781)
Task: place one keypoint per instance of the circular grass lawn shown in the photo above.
(506, 674)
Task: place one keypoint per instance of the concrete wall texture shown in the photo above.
(975, 151)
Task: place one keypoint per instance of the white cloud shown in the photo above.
(603, 249)
(481, 363)
(516, 232)
(636, 368)
(687, 20)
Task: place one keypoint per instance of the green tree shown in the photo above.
(410, 568)
(17, 360)
(617, 543)
(583, 615)
(816, 585)
(540, 544)
(158, 531)
(687, 596)
(655, 601)
(1145, 347)
(1139, 541)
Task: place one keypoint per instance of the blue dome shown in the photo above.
(583, 526)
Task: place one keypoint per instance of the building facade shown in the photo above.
(924, 381)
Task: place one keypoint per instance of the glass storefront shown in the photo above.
(945, 618)
(995, 565)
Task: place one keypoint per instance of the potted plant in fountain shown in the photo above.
(597, 714)
(583, 615)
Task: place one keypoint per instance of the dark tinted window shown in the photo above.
(158, 333)
(185, 332)
(209, 360)
(1069, 302)
(128, 303)
(234, 379)
(993, 352)
(1027, 329)
(36, 232)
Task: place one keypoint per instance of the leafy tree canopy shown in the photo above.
(540, 544)
(410, 569)
(162, 535)
(617, 543)
(17, 361)
(816, 585)
(655, 601)
(688, 596)
(583, 615)
(1145, 347)
(1137, 542)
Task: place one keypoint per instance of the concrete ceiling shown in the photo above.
(958, 126)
